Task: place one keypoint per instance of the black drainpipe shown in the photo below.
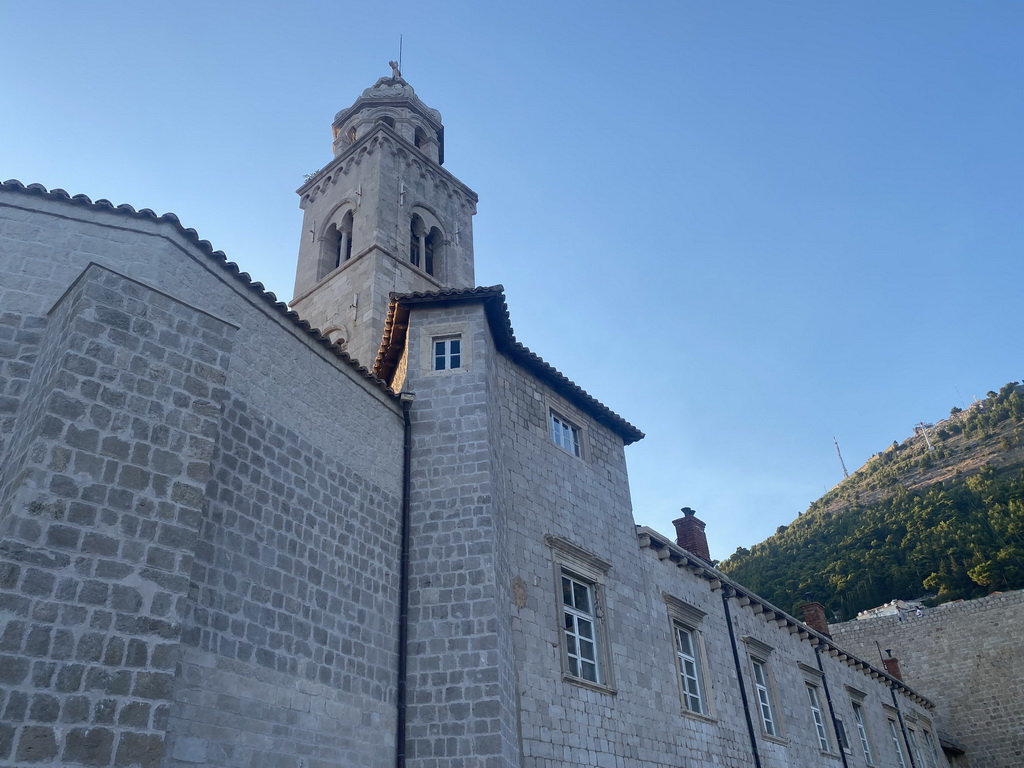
(403, 583)
(903, 727)
(739, 678)
(831, 708)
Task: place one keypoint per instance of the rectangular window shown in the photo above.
(819, 722)
(844, 739)
(915, 748)
(764, 698)
(894, 732)
(447, 353)
(862, 731)
(579, 625)
(929, 750)
(688, 655)
(565, 435)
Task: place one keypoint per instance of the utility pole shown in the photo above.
(841, 462)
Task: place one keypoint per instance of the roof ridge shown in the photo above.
(14, 185)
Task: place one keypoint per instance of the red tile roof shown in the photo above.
(493, 299)
(218, 257)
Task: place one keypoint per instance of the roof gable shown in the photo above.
(396, 328)
(255, 288)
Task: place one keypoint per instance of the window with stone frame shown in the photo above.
(447, 352)
(580, 576)
(818, 717)
(862, 732)
(894, 733)
(764, 686)
(930, 753)
(764, 697)
(565, 434)
(915, 747)
(579, 624)
(690, 655)
(844, 737)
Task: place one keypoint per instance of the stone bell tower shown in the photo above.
(382, 216)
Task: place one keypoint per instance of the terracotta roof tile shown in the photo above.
(493, 298)
(257, 288)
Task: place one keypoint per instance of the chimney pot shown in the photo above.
(892, 666)
(814, 617)
(690, 534)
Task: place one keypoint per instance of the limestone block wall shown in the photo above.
(574, 513)
(282, 648)
(382, 181)
(968, 657)
(100, 519)
(462, 697)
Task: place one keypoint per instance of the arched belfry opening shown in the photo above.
(337, 245)
(426, 242)
(386, 202)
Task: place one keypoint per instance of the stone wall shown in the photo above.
(200, 509)
(462, 697)
(574, 513)
(101, 518)
(968, 657)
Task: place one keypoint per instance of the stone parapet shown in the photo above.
(967, 656)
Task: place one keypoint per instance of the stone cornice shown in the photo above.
(676, 555)
(384, 137)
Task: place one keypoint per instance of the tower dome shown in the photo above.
(381, 216)
(392, 101)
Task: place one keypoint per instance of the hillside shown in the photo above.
(945, 519)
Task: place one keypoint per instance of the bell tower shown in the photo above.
(382, 216)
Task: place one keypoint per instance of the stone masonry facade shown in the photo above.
(194, 570)
(969, 656)
(226, 542)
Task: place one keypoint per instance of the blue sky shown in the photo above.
(747, 227)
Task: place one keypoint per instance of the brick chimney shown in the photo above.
(892, 666)
(814, 617)
(690, 534)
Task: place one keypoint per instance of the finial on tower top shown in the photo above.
(395, 71)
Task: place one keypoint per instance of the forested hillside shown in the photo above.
(945, 519)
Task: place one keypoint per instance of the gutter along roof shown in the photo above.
(396, 328)
(666, 550)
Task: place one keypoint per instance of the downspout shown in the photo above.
(831, 708)
(739, 678)
(403, 582)
(903, 727)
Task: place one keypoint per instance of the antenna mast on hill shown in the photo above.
(927, 440)
(841, 462)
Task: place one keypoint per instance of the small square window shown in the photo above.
(565, 434)
(447, 353)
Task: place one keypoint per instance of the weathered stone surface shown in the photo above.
(201, 505)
